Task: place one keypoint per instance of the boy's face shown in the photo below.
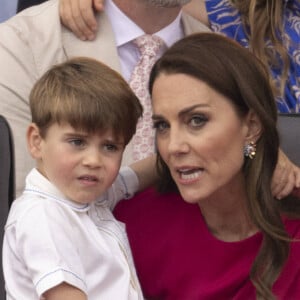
(81, 165)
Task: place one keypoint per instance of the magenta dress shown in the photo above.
(177, 258)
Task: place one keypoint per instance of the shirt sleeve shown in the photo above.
(124, 187)
(46, 242)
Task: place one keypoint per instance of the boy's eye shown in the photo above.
(77, 142)
(111, 147)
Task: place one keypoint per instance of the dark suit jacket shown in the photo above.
(22, 4)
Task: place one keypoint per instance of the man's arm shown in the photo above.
(17, 75)
(30, 43)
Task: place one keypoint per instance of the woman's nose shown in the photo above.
(177, 143)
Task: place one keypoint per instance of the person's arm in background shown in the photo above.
(145, 171)
(131, 179)
(286, 178)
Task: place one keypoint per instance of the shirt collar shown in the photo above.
(37, 184)
(126, 30)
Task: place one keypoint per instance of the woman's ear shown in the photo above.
(34, 140)
(254, 127)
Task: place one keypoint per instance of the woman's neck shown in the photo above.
(227, 217)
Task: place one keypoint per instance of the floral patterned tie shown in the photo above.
(149, 47)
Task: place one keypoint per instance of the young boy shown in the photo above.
(59, 243)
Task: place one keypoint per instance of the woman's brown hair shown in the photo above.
(234, 72)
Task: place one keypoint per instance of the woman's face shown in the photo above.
(199, 136)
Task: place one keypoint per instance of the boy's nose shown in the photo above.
(92, 158)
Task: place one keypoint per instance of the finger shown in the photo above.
(66, 15)
(288, 187)
(98, 5)
(290, 171)
(283, 174)
(279, 189)
(78, 9)
(297, 177)
(279, 180)
(88, 17)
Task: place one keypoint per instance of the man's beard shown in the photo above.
(167, 3)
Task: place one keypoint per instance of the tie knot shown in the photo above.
(149, 44)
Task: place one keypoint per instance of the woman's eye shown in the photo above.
(160, 126)
(198, 120)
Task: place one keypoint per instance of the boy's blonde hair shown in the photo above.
(86, 94)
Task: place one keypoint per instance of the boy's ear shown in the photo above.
(34, 140)
(254, 127)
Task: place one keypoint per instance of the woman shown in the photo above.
(228, 238)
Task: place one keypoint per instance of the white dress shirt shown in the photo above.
(50, 239)
(126, 31)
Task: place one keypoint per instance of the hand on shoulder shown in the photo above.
(79, 16)
(286, 178)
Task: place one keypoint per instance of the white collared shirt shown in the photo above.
(126, 31)
(50, 239)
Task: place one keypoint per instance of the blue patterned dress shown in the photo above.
(225, 19)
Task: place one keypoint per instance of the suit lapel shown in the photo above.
(191, 25)
(103, 48)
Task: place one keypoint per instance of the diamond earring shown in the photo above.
(250, 150)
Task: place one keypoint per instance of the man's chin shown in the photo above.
(168, 3)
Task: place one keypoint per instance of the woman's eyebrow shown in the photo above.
(182, 112)
(191, 108)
